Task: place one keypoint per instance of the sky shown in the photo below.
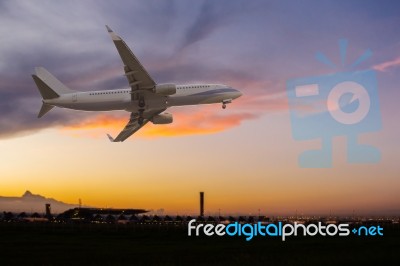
(244, 158)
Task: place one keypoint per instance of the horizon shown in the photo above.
(244, 157)
(164, 212)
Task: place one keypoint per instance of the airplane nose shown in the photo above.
(238, 94)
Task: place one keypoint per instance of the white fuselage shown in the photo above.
(121, 99)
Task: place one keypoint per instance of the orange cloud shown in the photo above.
(100, 121)
(385, 65)
(260, 96)
(189, 122)
(199, 122)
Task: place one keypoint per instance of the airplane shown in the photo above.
(145, 99)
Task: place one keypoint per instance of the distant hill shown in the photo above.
(29, 202)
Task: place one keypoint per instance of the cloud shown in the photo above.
(199, 122)
(69, 40)
(212, 15)
(206, 22)
(388, 64)
(203, 120)
(20, 111)
(19, 117)
(260, 97)
(192, 120)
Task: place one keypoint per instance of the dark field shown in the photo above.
(106, 244)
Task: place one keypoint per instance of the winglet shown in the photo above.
(114, 36)
(110, 138)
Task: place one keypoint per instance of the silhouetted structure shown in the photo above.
(88, 214)
(48, 211)
(201, 204)
(134, 217)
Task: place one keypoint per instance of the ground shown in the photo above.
(110, 244)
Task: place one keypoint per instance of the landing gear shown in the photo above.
(140, 117)
(225, 102)
(141, 102)
(140, 120)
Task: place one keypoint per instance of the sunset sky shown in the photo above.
(244, 157)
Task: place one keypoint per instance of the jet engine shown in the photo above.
(164, 118)
(165, 89)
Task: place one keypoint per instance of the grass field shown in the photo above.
(106, 244)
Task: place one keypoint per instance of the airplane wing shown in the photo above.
(133, 125)
(136, 74)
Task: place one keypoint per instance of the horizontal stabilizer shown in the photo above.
(45, 109)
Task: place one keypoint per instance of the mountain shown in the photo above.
(30, 203)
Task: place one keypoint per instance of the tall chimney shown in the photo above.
(202, 204)
(48, 210)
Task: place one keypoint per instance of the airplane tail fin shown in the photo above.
(49, 87)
